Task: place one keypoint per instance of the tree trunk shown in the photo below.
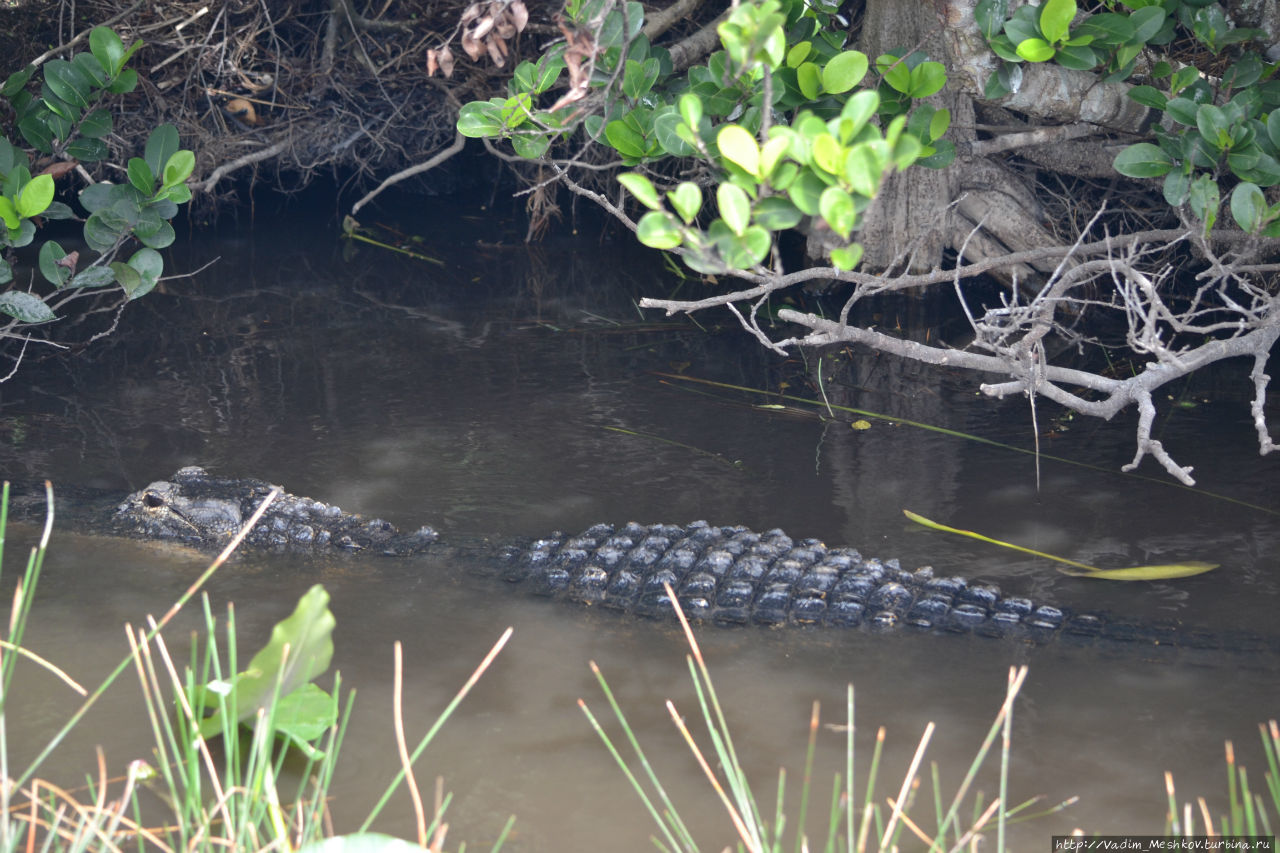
(978, 203)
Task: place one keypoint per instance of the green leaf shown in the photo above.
(100, 232)
(25, 234)
(895, 72)
(1077, 57)
(479, 119)
(739, 147)
(127, 277)
(1035, 50)
(1178, 570)
(776, 213)
(990, 16)
(691, 110)
(50, 254)
(69, 83)
(809, 80)
(141, 177)
(1182, 110)
(772, 153)
(530, 146)
(798, 53)
(305, 714)
(642, 188)
(927, 78)
(308, 633)
(108, 49)
(1204, 199)
(157, 235)
(735, 207)
(859, 109)
(161, 145)
(1145, 573)
(1177, 186)
(805, 192)
(751, 248)
(846, 258)
(9, 213)
(939, 123)
(25, 307)
(96, 124)
(16, 82)
(1248, 206)
(864, 168)
(1143, 160)
(639, 77)
(148, 262)
(838, 210)
(1147, 22)
(1212, 123)
(1273, 127)
(659, 230)
(515, 110)
(828, 154)
(686, 198)
(625, 139)
(672, 134)
(86, 63)
(1148, 96)
(1023, 25)
(35, 196)
(844, 71)
(93, 277)
(178, 168)
(1055, 19)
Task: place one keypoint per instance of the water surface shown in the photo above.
(513, 392)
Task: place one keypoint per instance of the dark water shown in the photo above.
(514, 391)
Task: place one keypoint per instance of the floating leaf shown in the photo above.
(1145, 573)
(1137, 573)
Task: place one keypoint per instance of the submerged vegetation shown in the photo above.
(189, 795)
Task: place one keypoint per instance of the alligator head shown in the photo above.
(194, 507)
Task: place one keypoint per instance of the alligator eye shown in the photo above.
(152, 500)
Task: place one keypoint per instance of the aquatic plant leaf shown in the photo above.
(308, 633)
(1136, 573)
(361, 842)
(1145, 573)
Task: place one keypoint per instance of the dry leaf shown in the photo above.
(482, 28)
(473, 12)
(497, 52)
(60, 168)
(445, 57)
(472, 47)
(519, 15)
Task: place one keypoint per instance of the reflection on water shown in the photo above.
(512, 394)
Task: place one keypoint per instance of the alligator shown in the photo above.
(720, 575)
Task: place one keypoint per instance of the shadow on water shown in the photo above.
(512, 392)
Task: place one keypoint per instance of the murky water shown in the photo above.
(515, 392)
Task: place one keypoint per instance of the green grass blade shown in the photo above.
(1146, 573)
(1081, 570)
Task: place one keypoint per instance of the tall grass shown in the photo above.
(1247, 809)
(852, 823)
